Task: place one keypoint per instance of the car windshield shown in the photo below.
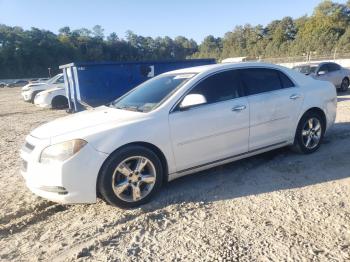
(306, 69)
(53, 79)
(151, 93)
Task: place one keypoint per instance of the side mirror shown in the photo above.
(192, 100)
(321, 73)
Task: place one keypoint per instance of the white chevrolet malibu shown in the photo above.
(175, 124)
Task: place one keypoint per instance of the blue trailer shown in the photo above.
(99, 83)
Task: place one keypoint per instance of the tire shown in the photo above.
(124, 193)
(33, 96)
(344, 85)
(301, 144)
(59, 102)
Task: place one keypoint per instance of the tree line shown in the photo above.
(29, 53)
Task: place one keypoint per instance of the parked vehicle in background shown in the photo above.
(2, 84)
(52, 98)
(327, 71)
(39, 80)
(18, 83)
(30, 90)
(175, 124)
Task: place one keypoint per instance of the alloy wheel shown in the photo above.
(311, 133)
(134, 178)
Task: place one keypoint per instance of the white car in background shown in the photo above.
(52, 98)
(30, 90)
(177, 123)
(327, 71)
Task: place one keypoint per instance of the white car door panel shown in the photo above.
(210, 132)
(272, 117)
(274, 103)
(217, 129)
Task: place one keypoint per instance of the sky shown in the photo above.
(190, 18)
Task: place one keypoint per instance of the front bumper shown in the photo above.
(41, 100)
(27, 95)
(67, 182)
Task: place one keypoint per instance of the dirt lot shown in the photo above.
(275, 206)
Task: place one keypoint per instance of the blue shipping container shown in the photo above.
(94, 84)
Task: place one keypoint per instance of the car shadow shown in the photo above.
(340, 94)
(277, 170)
(341, 99)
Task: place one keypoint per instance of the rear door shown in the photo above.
(335, 74)
(215, 130)
(274, 102)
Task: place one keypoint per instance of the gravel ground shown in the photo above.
(275, 206)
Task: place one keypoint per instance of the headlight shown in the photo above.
(61, 151)
(26, 88)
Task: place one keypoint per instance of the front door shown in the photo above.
(215, 130)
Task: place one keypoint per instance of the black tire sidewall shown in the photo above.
(58, 102)
(33, 96)
(104, 185)
(344, 89)
(298, 136)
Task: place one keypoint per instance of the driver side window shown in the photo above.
(219, 87)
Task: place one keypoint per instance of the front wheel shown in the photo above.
(309, 134)
(130, 177)
(59, 102)
(33, 96)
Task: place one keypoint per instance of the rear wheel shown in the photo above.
(344, 85)
(309, 134)
(130, 177)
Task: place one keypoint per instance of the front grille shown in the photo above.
(24, 166)
(28, 147)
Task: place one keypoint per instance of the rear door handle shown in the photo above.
(239, 108)
(295, 96)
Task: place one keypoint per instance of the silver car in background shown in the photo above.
(327, 71)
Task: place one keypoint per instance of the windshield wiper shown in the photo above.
(128, 107)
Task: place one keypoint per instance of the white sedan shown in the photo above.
(30, 90)
(175, 124)
(52, 98)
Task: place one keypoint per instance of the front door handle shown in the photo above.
(295, 96)
(239, 108)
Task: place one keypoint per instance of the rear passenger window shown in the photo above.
(260, 80)
(286, 82)
(333, 67)
(219, 87)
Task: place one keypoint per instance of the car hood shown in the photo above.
(27, 86)
(83, 120)
(52, 89)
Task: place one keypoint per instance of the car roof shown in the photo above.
(316, 64)
(216, 67)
